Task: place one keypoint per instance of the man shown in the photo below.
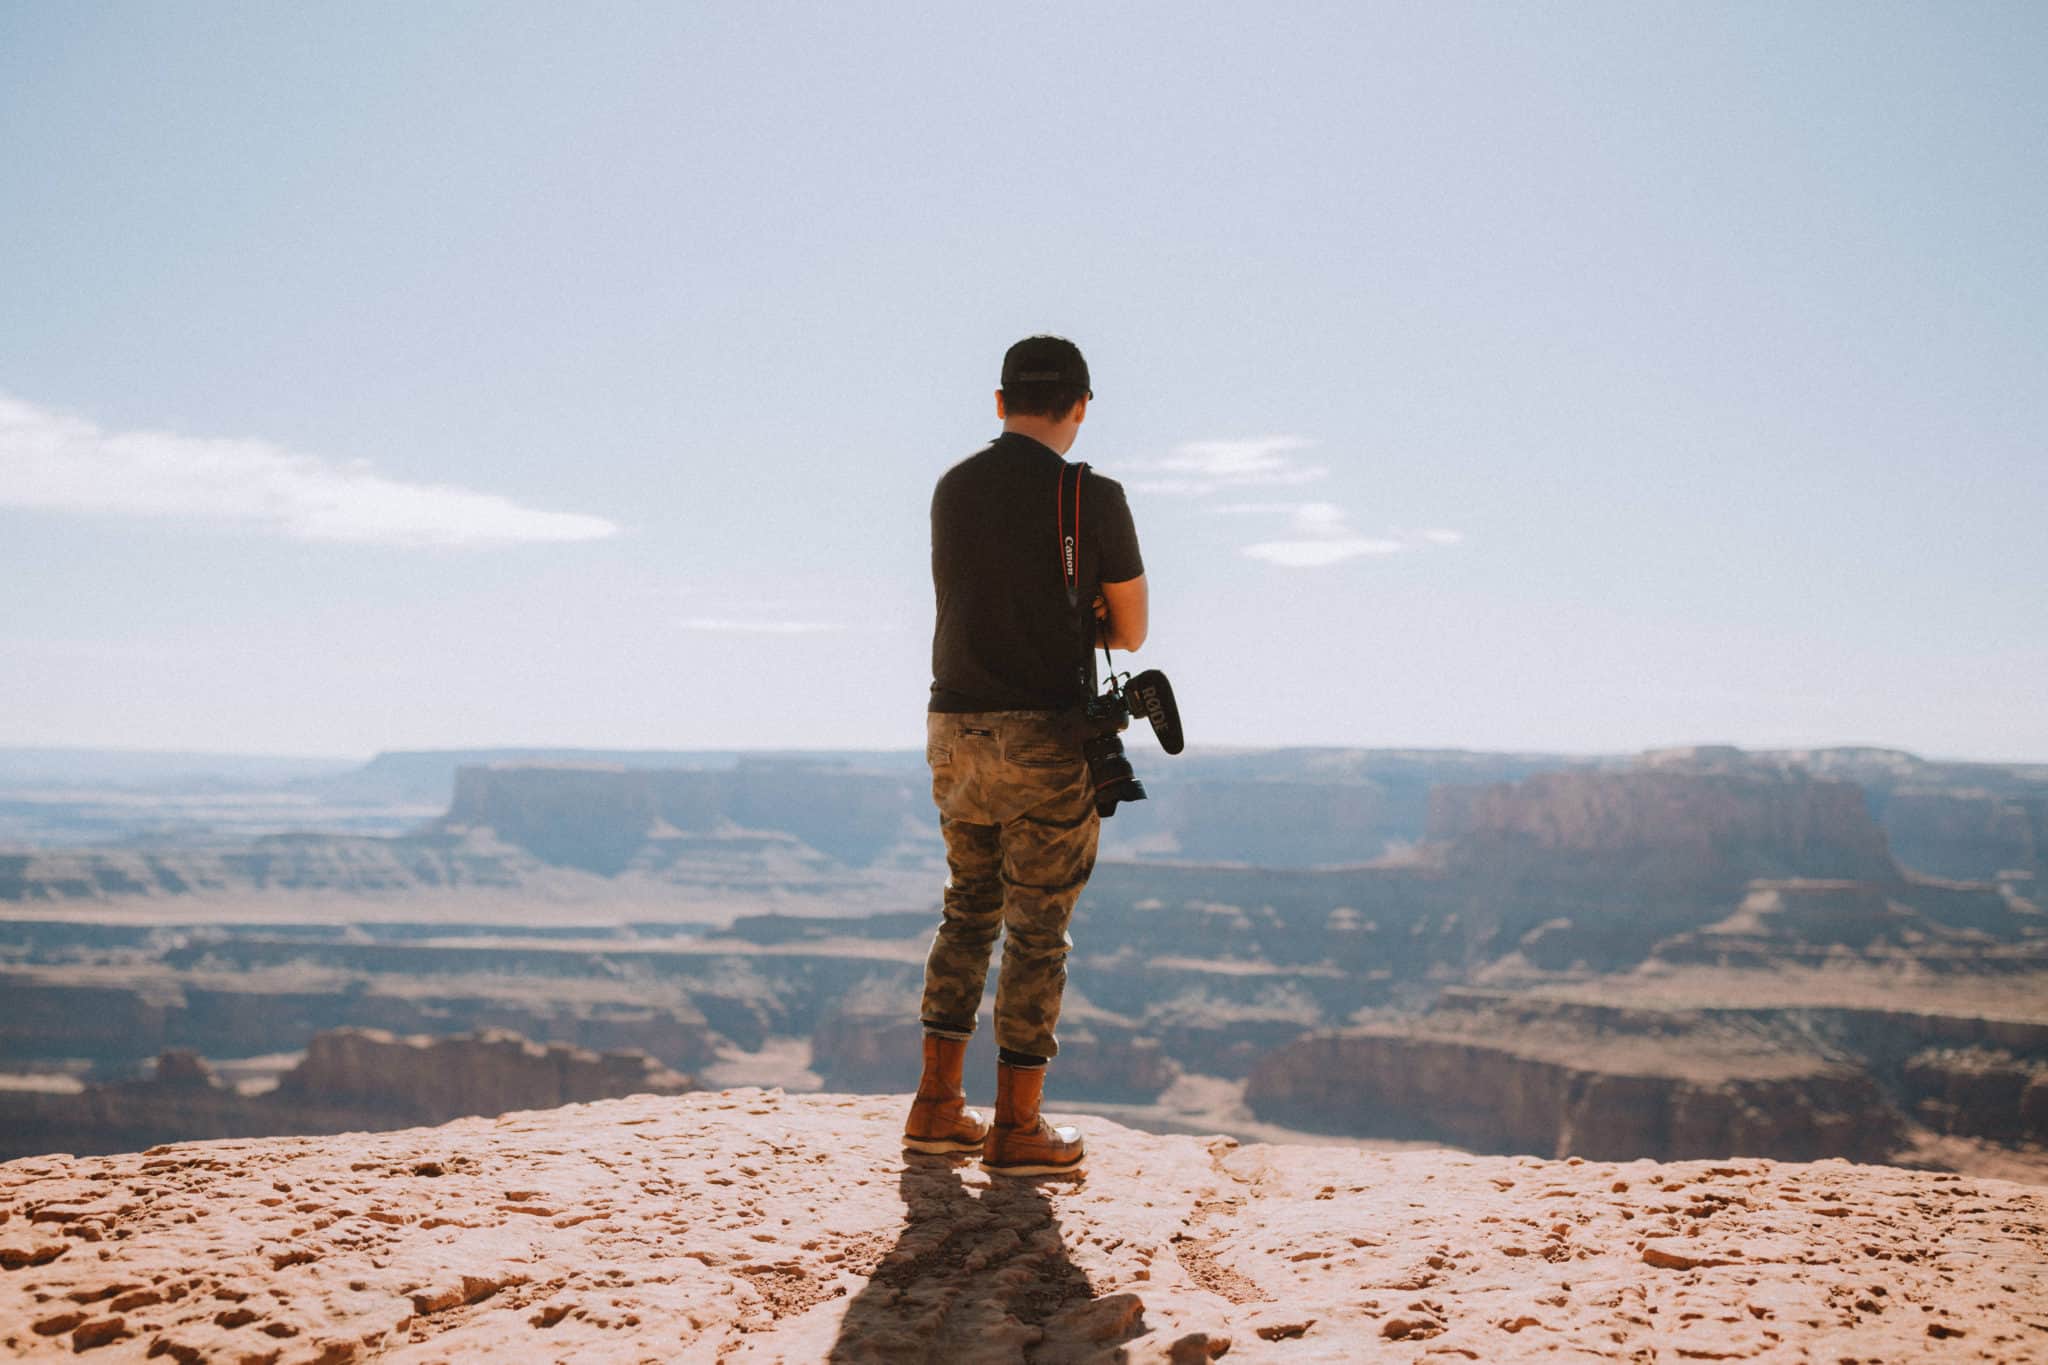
(1013, 666)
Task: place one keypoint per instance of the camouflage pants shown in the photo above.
(1018, 813)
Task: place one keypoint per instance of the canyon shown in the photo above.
(1674, 954)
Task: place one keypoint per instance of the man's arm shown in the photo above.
(1121, 614)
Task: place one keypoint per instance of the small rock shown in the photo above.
(98, 1332)
(1398, 1328)
(1678, 1260)
(1285, 1331)
(56, 1324)
(39, 1253)
(1105, 1319)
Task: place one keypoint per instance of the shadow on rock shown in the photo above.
(980, 1274)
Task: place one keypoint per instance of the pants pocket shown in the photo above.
(1037, 752)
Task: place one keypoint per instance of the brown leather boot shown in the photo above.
(1022, 1143)
(940, 1120)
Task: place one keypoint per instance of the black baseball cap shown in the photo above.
(1046, 360)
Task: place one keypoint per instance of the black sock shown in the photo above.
(1009, 1058)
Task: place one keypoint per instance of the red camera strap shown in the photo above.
(1069, 509)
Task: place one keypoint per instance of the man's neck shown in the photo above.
(1056, 436)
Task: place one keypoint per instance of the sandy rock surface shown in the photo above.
(750, 1226)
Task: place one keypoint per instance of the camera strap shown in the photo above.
(1069, 506)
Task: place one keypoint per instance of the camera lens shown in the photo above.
(1111, 773)
(1123, 789)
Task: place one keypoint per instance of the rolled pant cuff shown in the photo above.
(957, 1034)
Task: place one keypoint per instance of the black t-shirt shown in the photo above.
(1006, 639)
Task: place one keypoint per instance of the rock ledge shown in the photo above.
(749, 1225)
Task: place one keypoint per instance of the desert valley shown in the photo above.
(1682, 954)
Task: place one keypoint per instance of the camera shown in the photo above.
(1149, 695)
(1108, 769)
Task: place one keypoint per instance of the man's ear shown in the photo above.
(1000, 414)
(1080, 412)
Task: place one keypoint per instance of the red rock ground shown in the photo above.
(747, 1225)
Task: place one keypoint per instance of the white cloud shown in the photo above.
(53, 462)
(1199, 468)
(1314, 554)
(1320, 519)
(1316, 534)
(1320, 533)
(732, 626)
(1252, 508)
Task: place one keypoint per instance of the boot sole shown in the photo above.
(940, 1147)
(1037, 1168)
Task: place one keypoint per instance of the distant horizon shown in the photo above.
(1140, 749)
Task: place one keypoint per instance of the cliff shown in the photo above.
(1624, 1098)
(1969, 821)
(272, 863)
(429, 1080)
(608, 820)
(1971, 834)
(1788, 922)
(1698, 829)
(349, 1079)
(753, 1226)
(1289, 823)
(547, 828)
(1980, 1092)
(121, 1015)
(1557, 1072)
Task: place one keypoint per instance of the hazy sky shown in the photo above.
(1576, 377)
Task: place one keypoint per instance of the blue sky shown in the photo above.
(1577, 377)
